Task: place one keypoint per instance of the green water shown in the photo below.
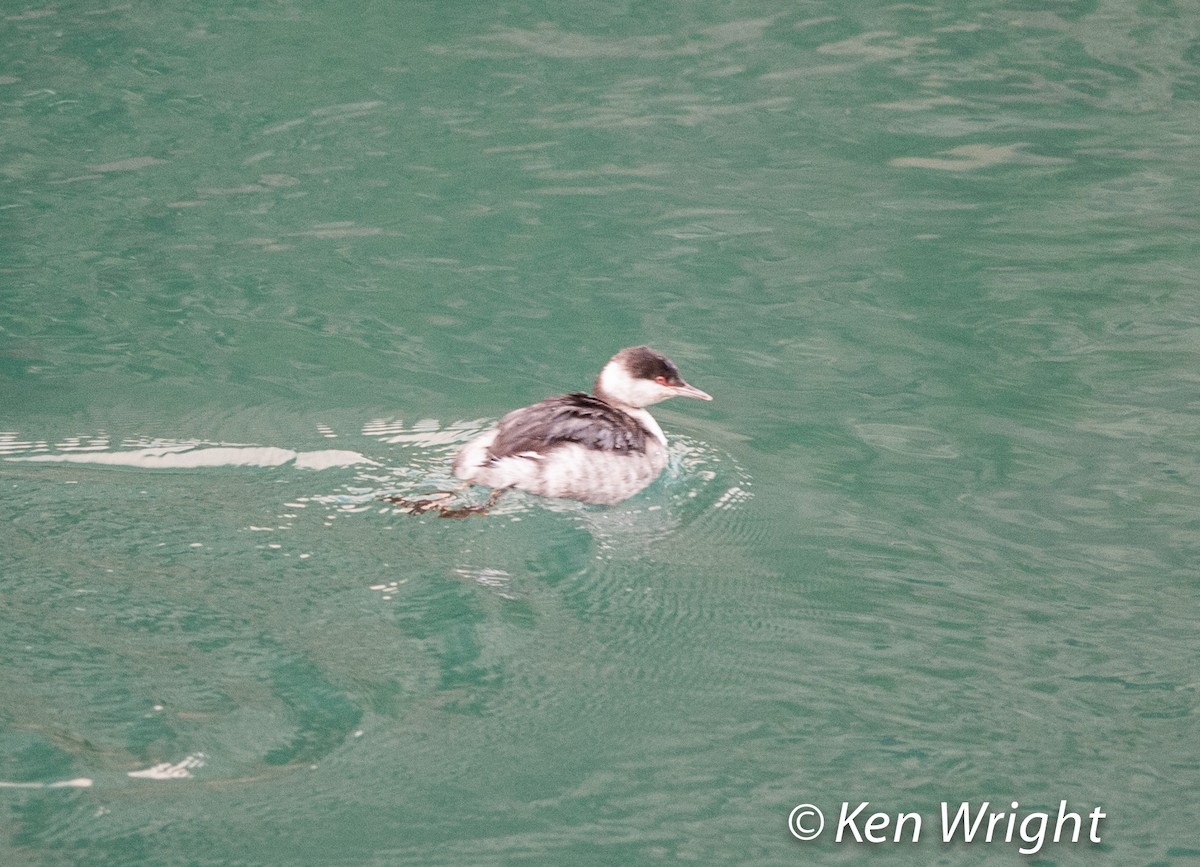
(935, 540)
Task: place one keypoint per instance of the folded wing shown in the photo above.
(572, 418)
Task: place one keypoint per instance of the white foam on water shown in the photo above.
(192, 457)
(322, 460)
(77, 783)
(168, 771)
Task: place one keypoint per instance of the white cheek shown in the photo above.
(620, 386)
(648, 392)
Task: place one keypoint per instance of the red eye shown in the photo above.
(661, 380)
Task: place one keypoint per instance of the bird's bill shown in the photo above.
(686, 390)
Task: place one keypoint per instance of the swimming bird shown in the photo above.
(602, 447)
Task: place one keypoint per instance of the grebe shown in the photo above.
(597, 448)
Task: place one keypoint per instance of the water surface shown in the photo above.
(934, 540)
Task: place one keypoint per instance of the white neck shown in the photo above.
(647, 421)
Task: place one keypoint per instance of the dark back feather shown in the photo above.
(572, 418)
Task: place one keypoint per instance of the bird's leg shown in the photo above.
(468, 511)
(420, 507)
